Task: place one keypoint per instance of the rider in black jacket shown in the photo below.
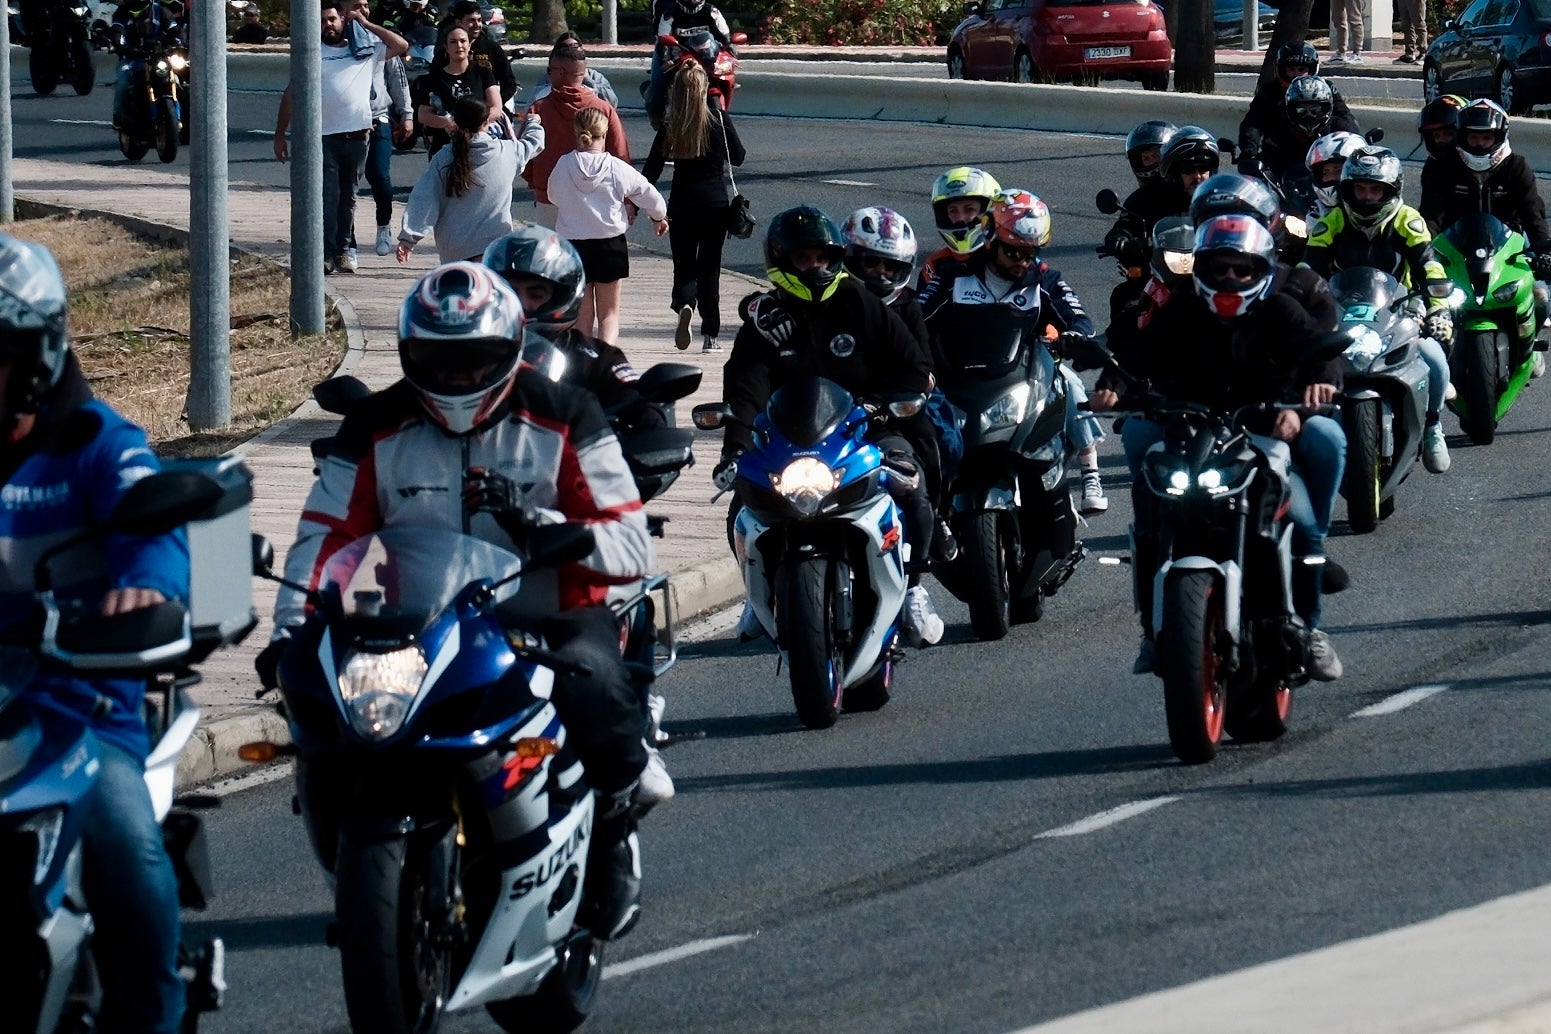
(1267, 113)
(138, 25)
(1484, 175)
(1307, 112)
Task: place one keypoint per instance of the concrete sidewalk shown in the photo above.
(703, 575)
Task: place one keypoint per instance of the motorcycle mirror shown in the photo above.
(339, 395)
(263, 556)
(668, 382)
(1107, 201)
(1374, 135)
(739, 38)
(158, 503)
(1227, 146)
(551, 545)
(708, 416)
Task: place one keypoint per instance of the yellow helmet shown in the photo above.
(963, 182)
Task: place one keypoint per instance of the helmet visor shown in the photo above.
(460, 367)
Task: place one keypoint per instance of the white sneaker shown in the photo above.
(1449, 394)
(1539, 367)
(347, 262)
(1324, 665)
(384, 240)
(1093, 501)
(655, 785)
(922, 626)
(1337, 58)
(681, 332)
(655, 706)
(749, 628)
(1435, 451)
(1354, 59)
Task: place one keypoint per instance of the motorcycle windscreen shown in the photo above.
(809, 410)
(982, 341)
(1479, 238)
(407, 576)
(1364, 292)
(700, 42)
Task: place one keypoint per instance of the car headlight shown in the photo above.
(378, 689)
(1506, 292)
(44, 827)
(804, 483)
(1007, 411)
(1296, 227)
(1180, 263)
(1366, 346)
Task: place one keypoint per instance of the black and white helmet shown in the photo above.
(1151, 136)
(536, 251)
(34, 338)
(1483, 116)
(881, 250)
(1310, 104)
(1326, 158)
(1372, 165)
(1190, 149)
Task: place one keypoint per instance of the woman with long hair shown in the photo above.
(436, 92)
(700, 139)
(464, 196)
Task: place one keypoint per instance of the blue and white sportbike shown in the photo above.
(436, 783)
(821, 543)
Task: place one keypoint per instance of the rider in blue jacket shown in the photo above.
(65, 461)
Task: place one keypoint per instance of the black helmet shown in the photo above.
(1296, 55)
(1439, 113)
(33, 332)
(1228, 193)
(538, 252)
(1190, 149)
(800, 229)
(1153, 134)
(1310, 104)
(1173, 244)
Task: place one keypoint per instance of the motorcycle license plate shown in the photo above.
(1100, 53)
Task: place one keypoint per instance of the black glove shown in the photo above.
(485, 491)
(726, 470)
(773, 322)
(1068, 344)
(267, 663)
(1439, 325)
(1542, 266)
(1250, 165)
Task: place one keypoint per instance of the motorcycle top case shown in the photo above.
(220, 543)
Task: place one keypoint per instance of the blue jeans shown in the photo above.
(1437, 372)
(122, 84)
(379, 174)
(133, 896)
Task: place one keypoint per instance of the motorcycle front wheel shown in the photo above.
(40, 66)
(562, 1002)
(134, 148)
(980, 546)
(1364, 464)
(1480, 387)
(1190, 661)
(85, 75)
(167, 129)
(396, 968)
(813, 657)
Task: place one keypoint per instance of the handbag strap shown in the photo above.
(727, 158)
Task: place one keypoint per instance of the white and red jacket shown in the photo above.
(390, 466)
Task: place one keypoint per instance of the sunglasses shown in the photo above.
(1019, 254)
(1232, 269)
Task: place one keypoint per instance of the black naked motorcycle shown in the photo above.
(60, 49)
(153, 114)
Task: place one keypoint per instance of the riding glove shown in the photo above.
(485, 491)
(1439, 325)
(267, 663)
(773, 322)
(726, 472)
(1542, 266)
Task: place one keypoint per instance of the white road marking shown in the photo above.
(258, 777)
(662, 958)
(80, 122)
(1399, 702)
(1106, 818)
(849, 183)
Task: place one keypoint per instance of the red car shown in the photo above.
(1030, 41)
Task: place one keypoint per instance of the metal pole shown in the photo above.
(611, 21)
(306, 167)
(7, 190)
(210, 282)
(1251, 25)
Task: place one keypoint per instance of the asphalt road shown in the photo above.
(890, 874)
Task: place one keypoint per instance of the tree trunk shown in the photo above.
(1292, 25)
(1195, 49)
(549, 21)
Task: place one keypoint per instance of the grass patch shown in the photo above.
(129, 325)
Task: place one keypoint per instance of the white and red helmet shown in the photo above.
(881, 250)
(1018, 219)
(1235, 264)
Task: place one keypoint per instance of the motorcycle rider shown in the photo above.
(68, 459)
(1325, 160)
(1438, 126)
(1308, 113)
(960, 198)
(1144, 148)
(1009, 271)
(1267, 113)
(820, 321)
(513, 451)
(138, 27)
(1241, 337)
(672, 17)
(1373, 227)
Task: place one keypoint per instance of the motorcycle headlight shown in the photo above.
(1296, 227)
(804, 483)
(378, 689)
(1180, 263)
(178, 62)
(1007, 411)
(1366, 346)
(79, 12)
(1166, 473)
(45, 827)
(1506, 292)
(161, 66)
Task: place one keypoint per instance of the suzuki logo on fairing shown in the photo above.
(550, 867)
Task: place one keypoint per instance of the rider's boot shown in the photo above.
(611, 899)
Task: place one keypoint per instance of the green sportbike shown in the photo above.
(1496, 322)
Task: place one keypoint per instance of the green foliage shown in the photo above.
(862, 22)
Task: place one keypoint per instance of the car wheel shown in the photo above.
(1023, 68)
(956, 68)
(1432, 82)
(1506, 94)
(1158, 81)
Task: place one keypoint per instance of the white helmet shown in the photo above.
(1483, 116)
(880, 250)
(460, 334)
(1327, 155)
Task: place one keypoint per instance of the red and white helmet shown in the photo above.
(1235, 264)
(460, 334)
(1325, 158)
(880, 250)
(1018, 219)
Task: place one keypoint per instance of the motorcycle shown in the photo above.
(1495, 323)
(821, 542)
(437, 785)
(48, 761)
(154, 109)
(1011, 510)
(60, 49)
(719, 62)
(1167, 264)
(1384, 398)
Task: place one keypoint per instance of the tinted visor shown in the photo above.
(457, 367)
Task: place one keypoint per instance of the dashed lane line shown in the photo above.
(1104, 819)
(662, 958)
(1399, 702)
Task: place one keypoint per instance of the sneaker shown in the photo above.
(612, 894)
(384, 240)
(656, 784)
(1146, 658)
(656, 704)
(749, 628)
(1435, 451)
(1449, 394)
(1093, 500)
(944, 546)
(1336, 59)
(1538, 367)
(1407, 58)
(345, 263)
(709, 344)
(1324, 665)
(1354, 59)
(681, 335)
(922, 625)
(1335, 579)
(328, 267)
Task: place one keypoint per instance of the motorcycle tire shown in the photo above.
(1191, 664)
(384, 950)
(563, 1000)
(167, 129)
(40, 66)
(84, 75)
(1261, 714)
(986, 582)
(1364, 465)
(1480, 387)
(1029, 609)
(813, 657)
(134, 149)
(871, 693)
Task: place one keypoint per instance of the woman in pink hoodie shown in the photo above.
(592, 191)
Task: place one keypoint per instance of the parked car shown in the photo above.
(1041, 40)
(1495, 48)
(1228, 17)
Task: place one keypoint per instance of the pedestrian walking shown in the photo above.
(438, 90)
(700, 139)
(392, 121)
(558, 111)
(464, 196)
(591, 190)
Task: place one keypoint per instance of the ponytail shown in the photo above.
(469, 116)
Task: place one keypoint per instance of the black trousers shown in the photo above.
(696, 237)
(601, 710)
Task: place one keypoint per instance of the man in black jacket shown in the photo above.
(1267, 115)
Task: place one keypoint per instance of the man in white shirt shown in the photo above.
(347, 123)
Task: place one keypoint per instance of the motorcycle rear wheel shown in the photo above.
(563, 1000)
(986, 588)
(1190, 662)
(1480, 387)
(396, 980)
(813, 658)
(84, 76)
(1364, 465)
(40, 66)
(134, 149)
(167, 129)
